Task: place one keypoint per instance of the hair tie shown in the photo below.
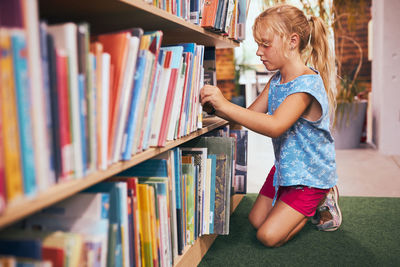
(308, 17)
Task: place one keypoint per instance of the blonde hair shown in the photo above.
(283, 20)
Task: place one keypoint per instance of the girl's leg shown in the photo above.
(280, 225)
(260, 210)
(263, 204)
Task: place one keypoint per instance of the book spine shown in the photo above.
(12, 156)
(24, 109)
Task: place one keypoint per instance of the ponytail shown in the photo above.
(322, 59)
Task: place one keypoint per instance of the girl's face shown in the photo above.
(270, 51)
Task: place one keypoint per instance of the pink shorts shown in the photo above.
(304, 199)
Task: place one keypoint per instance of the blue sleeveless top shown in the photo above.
(305, 153)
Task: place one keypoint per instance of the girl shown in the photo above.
(294, 110)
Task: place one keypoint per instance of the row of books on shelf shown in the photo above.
(72, 103)
(147, 215)
(227, 17)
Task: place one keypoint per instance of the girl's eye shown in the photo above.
(265, 44)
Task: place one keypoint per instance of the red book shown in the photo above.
(116, 44)
(64, 116)
(168, 104)
(54, 255)
(209, 13)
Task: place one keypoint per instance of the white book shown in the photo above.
(207, 188)
(44, 176)
(125, 97)
(65, 37)
(177, 102)
(105, 92)
(159, 105)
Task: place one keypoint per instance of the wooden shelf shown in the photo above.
(114, 15)
(26, 206)
(193, 255)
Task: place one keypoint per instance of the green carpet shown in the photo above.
(369, 236)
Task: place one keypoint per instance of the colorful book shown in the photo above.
(65, 38)
(117, 45)
(24, 110)
(176, 61)
(12, 156)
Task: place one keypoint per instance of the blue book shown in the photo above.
(213, 158)
(133, 110)
(114, 253)
(148, 168)
(48, 56)
(24, 110)
(179, 198)
(29, 248)
(83, 121)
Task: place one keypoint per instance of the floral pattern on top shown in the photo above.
(305, 153)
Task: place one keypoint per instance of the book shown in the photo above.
(126, 92)
(12, 156)
(65, 38)
(66, 146)
(220, 146)
(209, 13)
(213, 159)
(42, 147)
(49, 67)
(117, 45)
(24, 109)
(239, 181)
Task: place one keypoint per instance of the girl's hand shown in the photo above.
(212, 99)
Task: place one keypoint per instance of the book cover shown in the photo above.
(96, 48)
(126, 93)
(209, 13)
(65, 38)
(176, 61)
(131, 128)
(66, 146)
(172, 131)
(12, 157)
(225, 146)
(188, 171)
(200, 161)
(145, 226)
(240, 178)
(154, 49)
(49, 65)
(156, 98)
(105, 114)
(213, 159)
(117, 45)
(44, 172)
(24, 110)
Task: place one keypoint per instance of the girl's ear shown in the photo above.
(294, 41)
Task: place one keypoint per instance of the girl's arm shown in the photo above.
(270, 125)
(261, 102)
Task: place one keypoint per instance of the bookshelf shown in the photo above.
(112, 15)
(107, 16)
(26, 206)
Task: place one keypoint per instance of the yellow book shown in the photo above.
(153, 225)
(145, 227)
(12, 156)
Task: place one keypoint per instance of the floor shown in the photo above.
(362, 172)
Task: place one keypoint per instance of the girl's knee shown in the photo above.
(269, 238)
